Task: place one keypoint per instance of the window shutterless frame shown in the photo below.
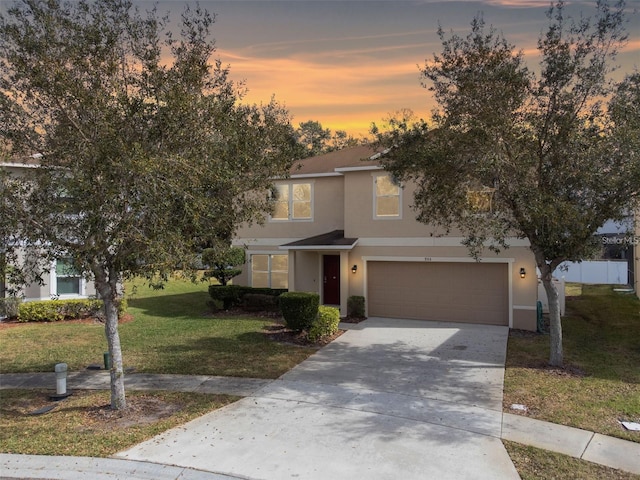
(293, 202)
(387, 197)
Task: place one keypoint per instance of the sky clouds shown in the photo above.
(350, 63)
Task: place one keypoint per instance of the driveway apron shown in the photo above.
(388, 399)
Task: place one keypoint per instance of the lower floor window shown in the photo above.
(67, 278)
(270, 271)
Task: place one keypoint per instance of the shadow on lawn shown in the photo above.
(601, 335)
(175, 305)
(248, 354)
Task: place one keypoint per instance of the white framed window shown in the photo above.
(68, 280)
(294, 201)
(270, 271)
(387, 197)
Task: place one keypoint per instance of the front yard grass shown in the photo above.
(84, 425)
(166, 331)
(600, 384)
(535, 464)
(171, 331)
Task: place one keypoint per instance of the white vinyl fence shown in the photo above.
(612, 272)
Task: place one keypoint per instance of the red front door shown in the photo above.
(331, 272)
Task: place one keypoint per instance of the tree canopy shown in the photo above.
(146, 149)
(314, 140)
(546, 156)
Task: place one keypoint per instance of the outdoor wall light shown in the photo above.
(523, 272)
(354, 269)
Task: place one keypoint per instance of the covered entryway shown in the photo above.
(467, 292)
(329, 276)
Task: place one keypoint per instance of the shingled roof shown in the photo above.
(332, 240)
(353, 157)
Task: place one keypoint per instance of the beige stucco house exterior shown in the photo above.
(342, 227)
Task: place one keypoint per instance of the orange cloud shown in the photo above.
(344, 90)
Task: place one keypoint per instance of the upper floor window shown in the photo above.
(387, 198)
(294, 201)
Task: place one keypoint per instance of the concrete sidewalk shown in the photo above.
(352, 399)
(100, 380)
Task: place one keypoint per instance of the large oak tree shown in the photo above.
(546, 156)
(147, 152)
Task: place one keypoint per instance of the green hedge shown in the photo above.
(325, 324)
(56, 310)
(355, 306)
(299, 309)
(9, 307)
(259, 302)
(232, 295)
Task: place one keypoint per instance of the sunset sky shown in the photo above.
(347, 64)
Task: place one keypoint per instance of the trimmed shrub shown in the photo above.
(259, 302)
(355, 306)
(227, 296)
(299, 309)
(56, 310)
(273, 292)
(44, 311)
(325, 324)
(78, 308)
(9, 307)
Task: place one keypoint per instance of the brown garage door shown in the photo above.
(454, 292)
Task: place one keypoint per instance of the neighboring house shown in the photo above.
(61, 281)
(342, 227)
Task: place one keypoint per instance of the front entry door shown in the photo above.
(331, 272)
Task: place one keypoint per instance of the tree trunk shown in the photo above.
(556, 357)
(106, 285)
(118, 399)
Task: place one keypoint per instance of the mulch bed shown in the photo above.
(141, 410)
(280, 333)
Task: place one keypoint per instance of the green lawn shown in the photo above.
(83, 424)
(535, 464)
(172, 331)
(601, 382)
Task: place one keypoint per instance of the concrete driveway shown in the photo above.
(388, 399)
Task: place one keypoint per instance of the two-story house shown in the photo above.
(341, 227)
(61, 281)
